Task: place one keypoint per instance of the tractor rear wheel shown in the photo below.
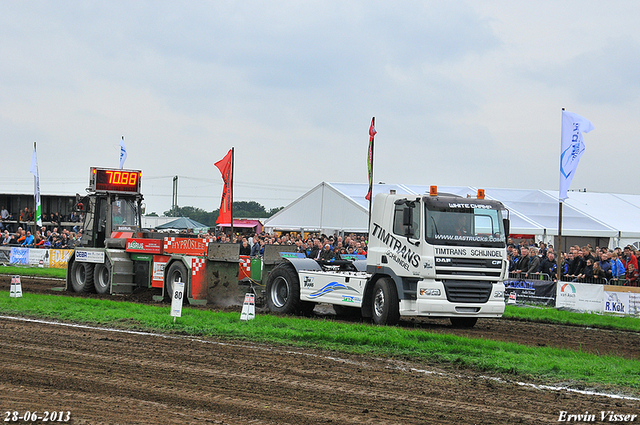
(102, 277)
(82, 277)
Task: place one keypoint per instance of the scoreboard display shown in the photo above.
(115, 180)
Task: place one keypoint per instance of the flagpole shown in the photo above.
(559, 243)
(231, 191)
(35, 199)
(373, 123)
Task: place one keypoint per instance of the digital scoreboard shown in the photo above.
(115, 180)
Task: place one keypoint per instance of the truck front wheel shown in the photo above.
(385, 305)
(283, 290)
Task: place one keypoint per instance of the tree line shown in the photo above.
(241, 209)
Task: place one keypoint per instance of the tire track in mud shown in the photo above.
(107, 377)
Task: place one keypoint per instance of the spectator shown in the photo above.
(327, 253)
(598, 273)
(523, 262)
(28, 240)
(617, 268)
(245, 249)
(632, 276)
(629, 258)
(587, 273)
(605, 263)
(534, 262)
(549, 266)
(6, 238)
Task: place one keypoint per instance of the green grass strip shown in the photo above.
(545, 364)
(33, 271)
(563, 317)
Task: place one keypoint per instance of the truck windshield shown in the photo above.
(464, 224)
(124, 213)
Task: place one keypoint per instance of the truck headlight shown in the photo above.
(430, 292)
(498, 294)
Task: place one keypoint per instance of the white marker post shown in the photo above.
(15, 290)
(176, 299)
(248, 307)
(512, 298)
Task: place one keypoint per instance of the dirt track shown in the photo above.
(103, 376)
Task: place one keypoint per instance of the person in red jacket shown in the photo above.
(629, 258)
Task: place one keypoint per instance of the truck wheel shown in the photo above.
(463, 322)
(82, 277)
(102, 277)
(177, 272)
(283, 290)
(385, 307)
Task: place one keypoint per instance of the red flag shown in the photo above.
(225, 166)
(372, 132)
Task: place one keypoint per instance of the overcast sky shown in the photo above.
(464, 93)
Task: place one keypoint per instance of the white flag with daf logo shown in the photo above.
(573, 125)
(123, 153)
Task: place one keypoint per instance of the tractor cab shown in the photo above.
(112, 208)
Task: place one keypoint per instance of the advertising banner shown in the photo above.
(39, 257)
(189, 246)
(157, 276)
(147, 246)
(19, 255)
(621, 300)
(579, 296)
(531, 291)
(83, 256)
(59, 258)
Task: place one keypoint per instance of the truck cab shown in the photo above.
(437, 255)
(445, 254)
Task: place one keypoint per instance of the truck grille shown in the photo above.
(451, 266)
(462, 291)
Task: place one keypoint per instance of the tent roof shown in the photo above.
(182, 223)
(341, 206)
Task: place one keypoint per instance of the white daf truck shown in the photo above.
(436, 255)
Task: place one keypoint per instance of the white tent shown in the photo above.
(605, 218)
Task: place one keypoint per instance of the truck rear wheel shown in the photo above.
(283, 290)
(463, 322)
(385, 305)
(177, 272)
(82, 277)
(102, 277)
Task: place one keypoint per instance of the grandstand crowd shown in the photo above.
(580, 264)
(18, 233)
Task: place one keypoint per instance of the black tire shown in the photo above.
(177, 271)
(102, 277)
(283, 290)
(463, 322)
(82, 277)
(385, 305)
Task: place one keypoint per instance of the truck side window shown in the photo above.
(412, 231)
